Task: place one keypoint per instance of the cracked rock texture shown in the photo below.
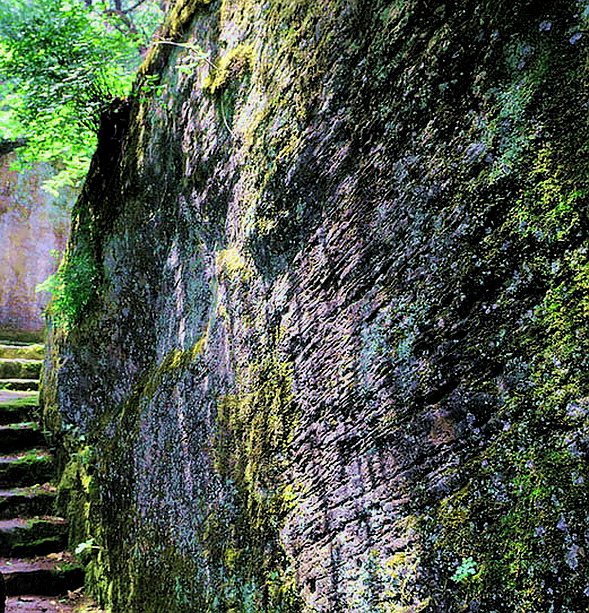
(334, 354)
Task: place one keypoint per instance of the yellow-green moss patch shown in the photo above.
(231, 66)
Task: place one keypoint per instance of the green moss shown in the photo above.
(386, 583)
(78, 500)
(48, 543)
(491, 137)
(30, 400)
(33, 457)
(18, 369)
(231, 265)
(233, 65)
(22, 425)
(253, 432)
(517, 518)
(519, 509)
(173, 29)
(176, 361)
(20, 336)
(28, 352)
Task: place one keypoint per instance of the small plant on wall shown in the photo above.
(72, 287)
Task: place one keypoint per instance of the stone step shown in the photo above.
(23, 352)
(25, 469)
(34, 536)
(20, 337)
(52, 575)
(20, 369)
(29, 501)
(19, 437)
(17, 407)
(19, 396)
(14, 413)
(19, 385)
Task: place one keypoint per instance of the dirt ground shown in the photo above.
(37, 604)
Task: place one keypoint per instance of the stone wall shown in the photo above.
(333, 355)
(33, 224)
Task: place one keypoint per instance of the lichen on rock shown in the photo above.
(336, 358)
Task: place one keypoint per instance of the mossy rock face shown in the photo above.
(336, 356)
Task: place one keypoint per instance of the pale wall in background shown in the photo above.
(33, 224)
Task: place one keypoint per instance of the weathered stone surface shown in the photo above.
(336, 354)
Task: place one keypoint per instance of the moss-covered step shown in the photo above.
(19, 437)
(25, 469)
(19, 385)
(17, 412)
(22, 352)
(31, 501)
(33, 536)
(16, 407)
(20, 337)
(11, 368)
(22, 397)
(43, 576)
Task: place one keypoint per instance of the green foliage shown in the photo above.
(465, 570)
(84, 547)
(73, 287)
(61, 63)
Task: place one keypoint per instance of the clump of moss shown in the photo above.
(231, 264)
(253, 431)
(20, 336)
(176, 361)
(233, 65)
(29, 352)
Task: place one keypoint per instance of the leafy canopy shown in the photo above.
(61, 62)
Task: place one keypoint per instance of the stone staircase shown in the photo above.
(32, 539)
